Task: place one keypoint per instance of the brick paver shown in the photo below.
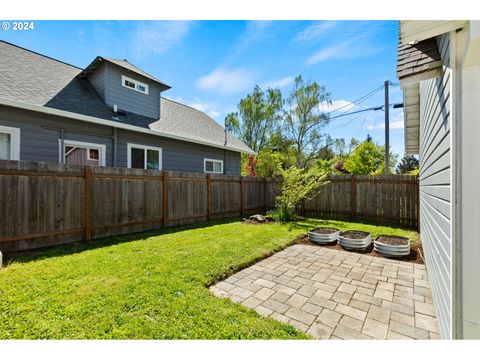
(333, 294)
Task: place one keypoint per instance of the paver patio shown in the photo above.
(333, 294)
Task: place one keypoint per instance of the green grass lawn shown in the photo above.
(147, 286)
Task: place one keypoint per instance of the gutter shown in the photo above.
(113, 124)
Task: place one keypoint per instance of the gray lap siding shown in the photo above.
(40, 142)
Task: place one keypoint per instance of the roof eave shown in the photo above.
(412, 31)
(105, 122)
(411, 114)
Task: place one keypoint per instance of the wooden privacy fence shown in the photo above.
(45, 204)
(392, 198)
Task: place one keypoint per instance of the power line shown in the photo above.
(357, 101)
(358, 111)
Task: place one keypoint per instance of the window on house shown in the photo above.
(9, 143)
(134, 85)
(144, 157)
(80, 153)
(213, 166)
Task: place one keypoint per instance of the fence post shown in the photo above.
(353, 193)
(165, 198)
(209, 196)
(88, 203)
(241, 195)
(264, 195)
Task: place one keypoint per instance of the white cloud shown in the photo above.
(255, 31)
(280, 83)
(395, 123)
(207, 108)
(314, 31)
(158, 36)
(351, 41)
(336, 51)
(336, 104)
(226, 81)
(349, 49)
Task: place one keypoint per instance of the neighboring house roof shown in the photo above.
(123, 63)
(180, 119)
(31, 78)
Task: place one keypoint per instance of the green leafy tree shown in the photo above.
(296, 185)
(368, 158)
(407, 164)
(303, 120)
(257, 117)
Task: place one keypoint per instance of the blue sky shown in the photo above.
(211, 65)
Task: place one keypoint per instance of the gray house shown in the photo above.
(439, 72)
(109, 114)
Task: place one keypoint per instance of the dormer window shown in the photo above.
(134, 85)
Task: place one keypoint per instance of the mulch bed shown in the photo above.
(413, 257)
(324, 230)
(352, 234)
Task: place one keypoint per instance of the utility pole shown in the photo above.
(387, 131)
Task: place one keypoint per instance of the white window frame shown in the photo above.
(136, 82)
(14, 141)
(214, 161)
(87, 145)
(131, 146)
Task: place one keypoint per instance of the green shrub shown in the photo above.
(296, 185)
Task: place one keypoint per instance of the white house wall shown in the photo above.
(435, 186)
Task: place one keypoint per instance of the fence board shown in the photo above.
(45, 204)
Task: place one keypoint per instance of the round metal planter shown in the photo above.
(391, 250)
(355, 244)
(319, 238)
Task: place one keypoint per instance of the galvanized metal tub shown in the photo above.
(391, 250)
(355, 244)
(319, 238)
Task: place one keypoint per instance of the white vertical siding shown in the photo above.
(435, 186)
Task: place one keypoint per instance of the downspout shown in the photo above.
(225, 152)
(115, 146)
(62, 146)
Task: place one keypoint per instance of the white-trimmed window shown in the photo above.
(213, 166)
(9, 143)
(134, 85)
(144, 157)
(82, 153)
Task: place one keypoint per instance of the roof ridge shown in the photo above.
(40, 54)
(191, 107)
(179, 103)
(138, 67)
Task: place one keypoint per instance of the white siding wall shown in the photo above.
(435, 186)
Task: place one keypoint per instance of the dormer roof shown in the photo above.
(125, 64)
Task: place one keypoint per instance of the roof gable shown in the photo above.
(124, 64)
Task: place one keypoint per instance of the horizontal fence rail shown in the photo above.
(46, 204)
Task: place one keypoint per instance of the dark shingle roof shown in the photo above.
(32, 78)
(179, 119)
(414, 59)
